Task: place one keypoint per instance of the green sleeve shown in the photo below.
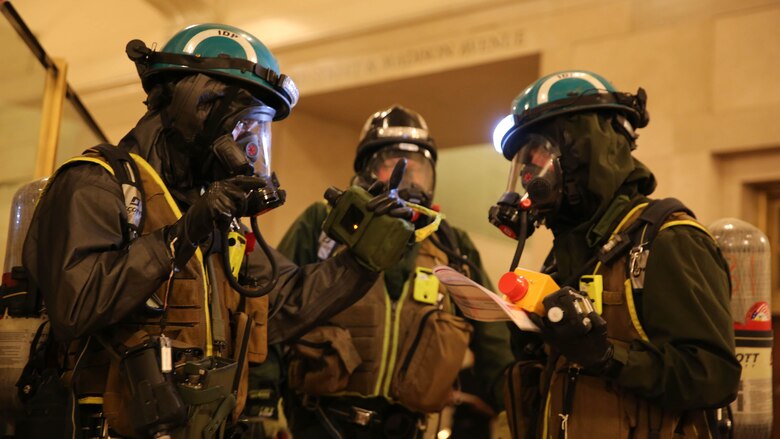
(689, 362)
(301, 241)
(490, 344)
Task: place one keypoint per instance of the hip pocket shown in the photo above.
(430, 360)
(323, 360)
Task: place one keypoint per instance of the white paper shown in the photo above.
(478, 303)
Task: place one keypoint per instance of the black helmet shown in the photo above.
(394, 125)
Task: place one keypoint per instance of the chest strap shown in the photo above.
(126, 172)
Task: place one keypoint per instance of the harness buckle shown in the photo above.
(361, 416)
(635, 259)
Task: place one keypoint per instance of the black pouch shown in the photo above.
(155, 406)
(51, 412)
(523, 398)
(50, 408)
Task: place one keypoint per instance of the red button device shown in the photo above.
(513, 285)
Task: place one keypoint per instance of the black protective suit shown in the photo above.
(92, 277)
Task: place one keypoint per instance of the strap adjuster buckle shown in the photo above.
(361, 416)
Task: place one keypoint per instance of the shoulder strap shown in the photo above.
(644, 228)
(126, 172)
(652, 219)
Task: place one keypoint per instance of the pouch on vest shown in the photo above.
(523, 398)
(207, 392)
(430, 359)
(50, 408)
(51, 412)
(322, 361)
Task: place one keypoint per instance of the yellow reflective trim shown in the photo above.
(71, 161)
(94, 400)
(385, 342)
(625, 218)
(687, 223)
(176, 211)
(150, 170)
(632, 310)
(620, 226)
(394, 346)
(21, 293)
(87, 159)
(546, 413)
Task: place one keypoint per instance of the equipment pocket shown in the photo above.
(523, 397)
(51, 412)
(207, 392)
(430, 360)
(323, 360)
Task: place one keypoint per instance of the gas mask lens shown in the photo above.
(419, 174)
(254, 137)
(537, 167)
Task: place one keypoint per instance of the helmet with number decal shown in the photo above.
(567, 92)
(223, 51)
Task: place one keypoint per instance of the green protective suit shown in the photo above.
(490, 342)
(689, 361)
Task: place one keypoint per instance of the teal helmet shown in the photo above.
(565, 92)
(222, 51)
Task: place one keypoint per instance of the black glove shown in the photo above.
(389, 203)
(216, 208)
(266, 198)
(575, 329)
(386, 200)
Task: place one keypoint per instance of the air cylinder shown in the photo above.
(746, 249)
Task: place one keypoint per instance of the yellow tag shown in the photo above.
(237, 249)
(426, 286)
(593, 285)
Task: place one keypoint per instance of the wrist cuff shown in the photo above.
(614, 364)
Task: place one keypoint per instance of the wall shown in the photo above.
(309, 154)
(706, 66)
(469, 180)
(708, 89)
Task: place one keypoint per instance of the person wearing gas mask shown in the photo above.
(395, 355)
(638, 341)
(148, 277)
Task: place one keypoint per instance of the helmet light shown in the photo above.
(500, 131)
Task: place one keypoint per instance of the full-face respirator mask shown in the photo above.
(419, 179)
(246, 150)
(537, 168)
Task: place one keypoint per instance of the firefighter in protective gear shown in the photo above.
(130, 275)
(397, 352)
(661, 352)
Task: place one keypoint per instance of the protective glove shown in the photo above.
(387, 202)
(216, 208)
(268, 197)
(575, 329)
(377, 240)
